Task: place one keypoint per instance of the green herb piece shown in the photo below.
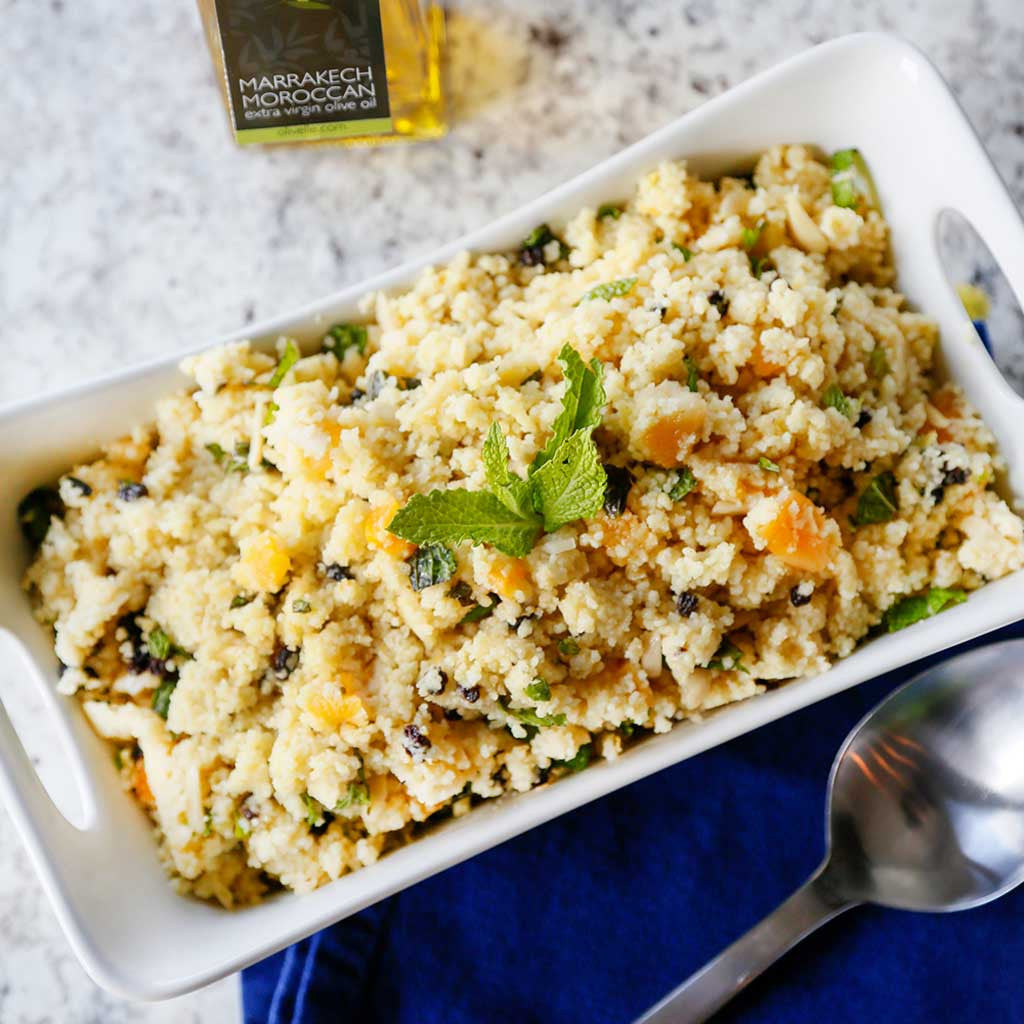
(851, 179)
(341, 337)
(158, 643)
(879, 362)
(687, 253)
(162, 697)
(480, 612)
(540, 235)
(844, 193)
(268, 416)
(529, 716)
(760, 264)
(909, 610)
(301, 606)
(430, 565)
(609, 210)
(36, 511)
(609, 290)
(727, 658)
(580, 759)
(208, 824)
(457, 515)
(357, 793)
(531, 251)
(684, 483)
(463, 593)
(571, 484)
(749, 237)
(767, 465)
(241, 600)
(314, 811)
(878, 502)
(217, 452)
(627, 730)
(835, 399)
(539, 690)
(534, 377)
(582, 403)
(568, 646)
(242, 827)
(288, 360)
(692, 376)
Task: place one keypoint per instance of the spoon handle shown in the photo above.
(814, 903)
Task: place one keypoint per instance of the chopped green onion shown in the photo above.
(539, 690)
(767, 465)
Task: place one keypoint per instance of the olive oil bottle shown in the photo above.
(329, 71)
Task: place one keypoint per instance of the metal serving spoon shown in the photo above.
(925, 812)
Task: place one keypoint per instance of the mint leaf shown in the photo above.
(357, 793)
(879, 362)
(749, 236)
(539, 690)
(582, 403)
(288, 360)
(687, 253)
(479, 612)
(430, 565)
(512, 491)
(571, 484)
(448, 517)
(835, 399)
(684, 483)
(609, 210)
(159, 643)
(580, 759)
(921, 606)
(692, 376)
(162, 697)
(727, 658)
(608, 290)
(878, 503)
(529, 715)
(341, 337)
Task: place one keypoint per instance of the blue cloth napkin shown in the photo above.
(595, 915)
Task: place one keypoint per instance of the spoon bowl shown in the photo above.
(926, 797)
(925, 812)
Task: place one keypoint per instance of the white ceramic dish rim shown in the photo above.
(80, 868)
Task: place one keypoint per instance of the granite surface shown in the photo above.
(131, 226)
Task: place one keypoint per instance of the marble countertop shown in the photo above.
(132, 226)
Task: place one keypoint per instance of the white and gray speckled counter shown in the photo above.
(132, 226)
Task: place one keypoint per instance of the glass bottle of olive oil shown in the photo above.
(337, 71)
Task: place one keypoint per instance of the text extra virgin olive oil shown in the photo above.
(338, 71)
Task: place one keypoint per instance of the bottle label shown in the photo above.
(301, 70)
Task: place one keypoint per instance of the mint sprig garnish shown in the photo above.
(565, 482)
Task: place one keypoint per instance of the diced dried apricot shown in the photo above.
(318, 467)
(762, 366)
(379, 538)
(668, 439)
(140, 783)
(796, 534)
(330, 708)
(945, 403)
(510, 577)
(264, 563)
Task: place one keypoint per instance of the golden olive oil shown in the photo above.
(329, 71)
